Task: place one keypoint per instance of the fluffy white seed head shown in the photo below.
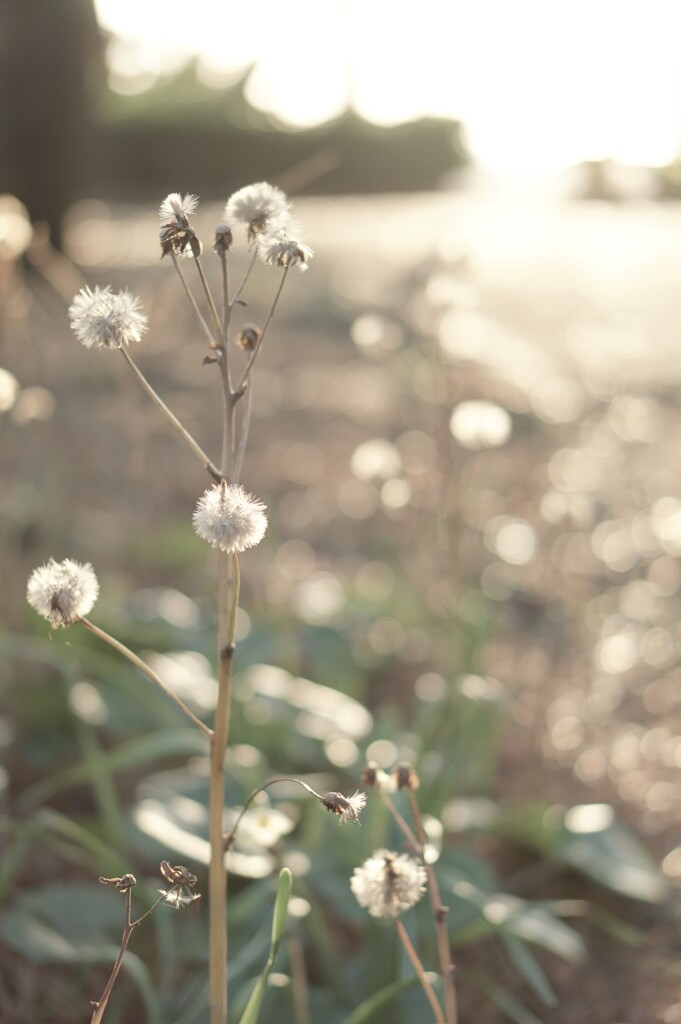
(261, 208)
(101, 318)
(388, 883)
(280, 251)
(62, 592)
(229, 518)
(178, 208)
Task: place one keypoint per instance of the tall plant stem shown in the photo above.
(418, 967)
(228, 598)
(148, 671)
(254, 354)
(440, 914)
(417, 841)
(182, 431)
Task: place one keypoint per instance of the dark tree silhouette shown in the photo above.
(50, 62)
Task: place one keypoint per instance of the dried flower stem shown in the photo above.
(228, 839)
(192, 300)
(417, 842)
(182, 431)
(228, 598)
(148, 671)
(245, 278)
(420, 970)
(209, 297)
(440, 914)
(240, 446)
(249, 365)
(128, 929)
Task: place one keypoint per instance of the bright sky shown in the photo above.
(540, 84)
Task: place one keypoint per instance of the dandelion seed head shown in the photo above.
(101, 318)
(277, 250)
(177, 208)
(261, 208)
(388, 884)
(229, 518)
(179, 897)
(62, 592)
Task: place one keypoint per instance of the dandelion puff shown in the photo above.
(280, 251)
(178, 208)
(176, 234)
(261, 208)
(229, 518)
(348, 808)
(101, 318)
(62, 592)
(388, 883)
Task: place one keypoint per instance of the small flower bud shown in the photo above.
(348, 807)
(404, 776)
(375, 778)
(223, 239)
(122, 884)
(248, 337)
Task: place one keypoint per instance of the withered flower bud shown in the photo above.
(348, 807)
(375, 778)
(404, 776)
(223, 239)
(178, 875)
(248, 337)
(122, 884)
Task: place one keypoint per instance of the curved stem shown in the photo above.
(182, 431)
(246, 276)
(217, 874)
(148, 671)
(420, 970)
(229, 836)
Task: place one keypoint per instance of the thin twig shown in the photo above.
(237, 293)
(420, 970)
(249, 365)
(148, 671)
(440, 914)
(229, 836)
(182, 431)
(240, 446)
(209, 296)
(209, 334)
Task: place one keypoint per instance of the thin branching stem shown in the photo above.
(209, 297)
(209, 334)
(228, 598)
(182, 431)
(229, 837)
(417, 842)
(440, 915)
(254, 354)
(237, 293)
(242, 439)
(128, 929)
(148, 671)
(420, 971)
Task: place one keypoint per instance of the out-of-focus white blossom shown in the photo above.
(229, 518)
(62, 592)
(101, 318)
(388, 883)
(262, 208)
(281, 251)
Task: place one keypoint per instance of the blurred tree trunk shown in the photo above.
(50, 67)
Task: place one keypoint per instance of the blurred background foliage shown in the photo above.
(465, 430)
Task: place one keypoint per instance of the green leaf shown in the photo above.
(124, 757)
(379, 1000)
(529, 968)
(252, 1011)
